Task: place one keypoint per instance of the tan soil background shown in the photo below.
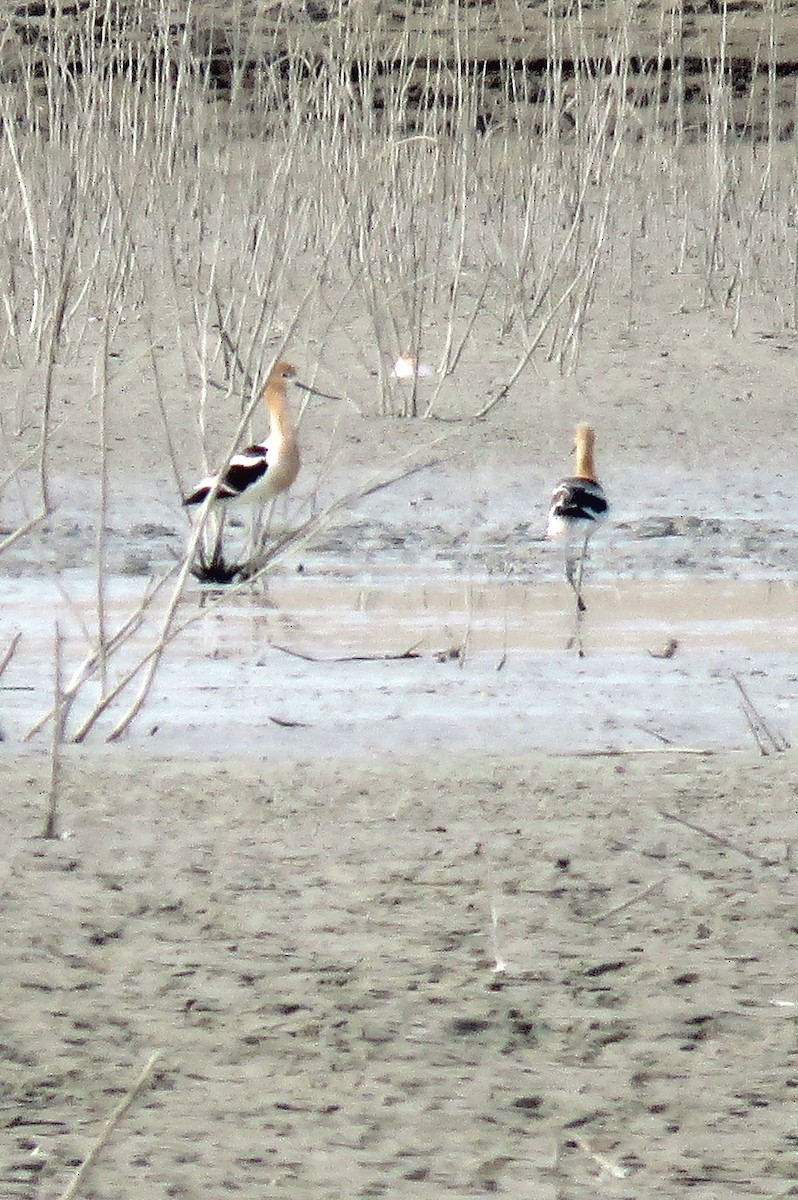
(411, 978)
(421, 973)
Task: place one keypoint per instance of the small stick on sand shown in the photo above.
(10, 651)
(56, 747)
(606, 1164)
(411, 652)
(659, 737)
(720, 840)
(108, 1128)
(761, 731)
(636, 750)
(617, 908)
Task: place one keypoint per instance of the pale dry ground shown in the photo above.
(403, 977)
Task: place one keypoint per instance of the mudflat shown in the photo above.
(402, 976)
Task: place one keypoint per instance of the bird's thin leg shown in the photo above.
(203, 551)
(574, 568)
(580, 604)
(211, 557)
(575, 640)
(581, 607)
(217, 559)
(258, 536)
(570, 569)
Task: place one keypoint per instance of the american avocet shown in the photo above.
(577, 507)
(407, 366)
(266, 468)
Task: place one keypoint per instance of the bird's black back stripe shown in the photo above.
(241, 475)
(575, 500)
(201, 493)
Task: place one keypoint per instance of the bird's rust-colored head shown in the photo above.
(281, 371)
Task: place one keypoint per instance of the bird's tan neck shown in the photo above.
(584, 466)
(279, 416)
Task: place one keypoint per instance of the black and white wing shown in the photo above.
(242, 473)
(577, 506)
(579, 500)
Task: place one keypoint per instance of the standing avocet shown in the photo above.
(251, 477)
(577, 507)
(266, 468)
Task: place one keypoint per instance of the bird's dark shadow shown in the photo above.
(213, 567)
(218, 571)
(210, 564)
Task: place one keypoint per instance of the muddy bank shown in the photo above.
(410, 978)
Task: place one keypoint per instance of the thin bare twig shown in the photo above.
(672, 750)
(10, 651)
(229, 343)
(295, 538)
(624, 904)
(108, 1128)
(56, 747)
(761, 731)
(411, 652)
(659, 737)
(719, 839)
(24, 529)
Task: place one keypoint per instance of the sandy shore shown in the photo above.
(403, 977)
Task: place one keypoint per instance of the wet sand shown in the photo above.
(379, 946)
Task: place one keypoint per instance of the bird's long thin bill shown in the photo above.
(314, 392)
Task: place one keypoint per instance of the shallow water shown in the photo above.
(330, 662)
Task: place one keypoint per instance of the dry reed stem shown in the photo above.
(316, 523)
(10, 651)
(9, 127)
(110, 1124)
(57, 742)
(23, 530)
(720, 840)
(17, 469)
(89, 665)
(760, 730)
